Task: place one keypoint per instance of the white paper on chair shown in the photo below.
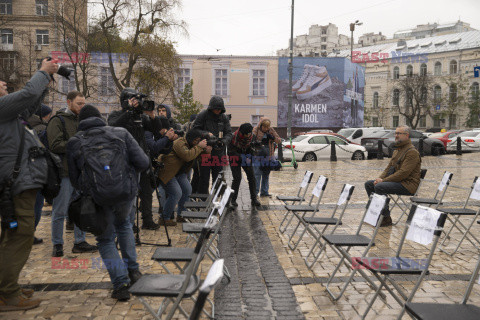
(344, 195)
(306, 178)
(319, 186)
(444, 181)
(375, 209)
(423, 225)
(476, 190)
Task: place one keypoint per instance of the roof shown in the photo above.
(443, 43)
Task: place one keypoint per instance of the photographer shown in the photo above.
(131, 117)
(240, 153)
(18, 190)
(173, 176)
(164, 111)
(215, 121)
(264, 133)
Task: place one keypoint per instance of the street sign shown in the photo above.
(476, 72)
(437, 107)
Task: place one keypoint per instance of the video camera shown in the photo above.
(214, 142)
(128, 94)
(148, 105)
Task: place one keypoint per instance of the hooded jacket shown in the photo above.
(136, 158)
(258, 133)
(33, 172)
(55, 134)
(209, 121)
(173, 124)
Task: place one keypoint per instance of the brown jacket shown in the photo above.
(181, 156)
(258, 133)
(407, 172)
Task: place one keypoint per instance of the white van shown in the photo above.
(356, 134)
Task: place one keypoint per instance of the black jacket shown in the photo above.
(134, 123)
(208, 121)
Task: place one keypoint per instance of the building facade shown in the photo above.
(433, 29)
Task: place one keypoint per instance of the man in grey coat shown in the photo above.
(15, 245)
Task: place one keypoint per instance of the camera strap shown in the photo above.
(18, 162)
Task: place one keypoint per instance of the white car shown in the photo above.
(312, 147)
(470, 141)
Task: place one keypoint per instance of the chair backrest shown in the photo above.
(318, 190)
(423, 173)
(214, 276)
(343, 200)
(475, 190)
(375, 211)
(307, 178)
(443, 185)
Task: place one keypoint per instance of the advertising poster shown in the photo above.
(327, 93)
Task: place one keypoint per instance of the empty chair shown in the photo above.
(205, 212)
(198, 205)
(439, 193)
(204, 196)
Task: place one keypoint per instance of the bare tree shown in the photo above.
(455, 98)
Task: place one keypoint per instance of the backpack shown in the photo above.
(106, 174)
(54, 176)
(87, 215)
(43, 134)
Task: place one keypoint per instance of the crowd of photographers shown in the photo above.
(101, 174)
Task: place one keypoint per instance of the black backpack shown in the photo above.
(54, 176)
(106, 173)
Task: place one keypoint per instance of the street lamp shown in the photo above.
(352, 28)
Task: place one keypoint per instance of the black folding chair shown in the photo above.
(424, 226)
(399, 201)
(444, 311)
(204, 196)
(439, 193)
(202, 214)
(198, 205)
(474, 194)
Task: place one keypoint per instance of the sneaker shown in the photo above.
(168, 223)
(57, 250)
(37, 240)
(121, 294)
(18, 303)
(318, 81)
(181, 220)
(256, 203)
(266, 195)
(234, 203)
(303, 77)
(83, 247)
(386, 222)
(27, 292)
(69, 225)
(150, 225)
(134, 275)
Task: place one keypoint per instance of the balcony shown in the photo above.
(6, 46)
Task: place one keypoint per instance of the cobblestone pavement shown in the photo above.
(268, 279)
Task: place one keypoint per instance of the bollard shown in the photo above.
(420, 147)
(380, 150)
(333, 152)
(280, 152)
(459, 146)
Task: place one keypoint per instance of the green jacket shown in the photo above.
(55, 134)
(181, 156)
(407, 172)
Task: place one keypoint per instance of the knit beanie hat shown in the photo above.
(44, 111)
(88, 111)
(245, 128)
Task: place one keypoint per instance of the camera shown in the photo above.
(62, 71)
(179, 133)
(148, 105)
(214, 142)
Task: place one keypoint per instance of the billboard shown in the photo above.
(327, 93)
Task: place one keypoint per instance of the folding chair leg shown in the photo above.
(150, 309)
(299, 239)
(370, 304)
(288, 223)
(316, 257)
(293, 234)
(283, 221)
(466, 231)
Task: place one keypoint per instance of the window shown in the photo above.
(436, 121)
(437, 93)
(409, 98)
(42, 37)
(337, 140)
(453, 67)
(452, 121)
(396, 97)
(423, 96)
(452, 94)
(323, 47)
(258, 83)
(423, 69)
(375, 122)
(409, 70)
(395, 121)
(7, 61)
(375, 100)
(256, 119)
(221, 82)
(107, 86)
(438, 69)
(7, 36)
(396, 73)
(318, 140)
(5, 6)
(324, 31)
(416, 135)
(324, 39)
(41, 7)
(423, 122)
(184, 76)
(474, 90)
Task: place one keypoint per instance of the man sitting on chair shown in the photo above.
(402, 175)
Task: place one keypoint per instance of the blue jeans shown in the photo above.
(118, 219)
(386, 188)
(178, 191)
(60, 211)
(38, 208)
(261, 177)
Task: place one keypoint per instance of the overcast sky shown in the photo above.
(260, 27)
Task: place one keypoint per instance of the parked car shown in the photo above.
(313, 147)
(445, 137)
(470, 141)
(314, 131)
(432, 147)
(356, 134)
(371, 142)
